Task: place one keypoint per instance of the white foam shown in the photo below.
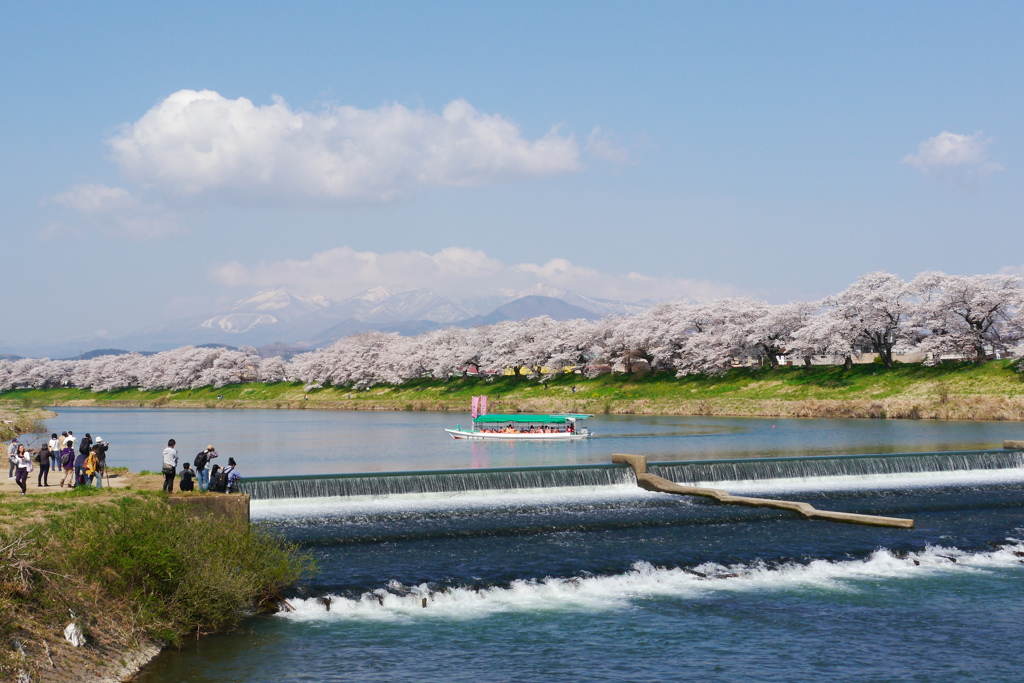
(860, 482)
(396, 602)
(285, 508)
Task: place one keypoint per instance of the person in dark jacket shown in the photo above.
(44, 466)
(203, 460)
(80, 477)
(100, 446)
(188, 478)
(86, 445)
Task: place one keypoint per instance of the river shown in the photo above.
(612, 583)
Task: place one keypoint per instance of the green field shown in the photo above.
(948, 391)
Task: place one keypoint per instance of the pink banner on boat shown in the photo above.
(483, 405)
(475, 409)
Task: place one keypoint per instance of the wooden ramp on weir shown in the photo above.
(652, 482)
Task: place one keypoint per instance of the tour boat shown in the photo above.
(521, 427)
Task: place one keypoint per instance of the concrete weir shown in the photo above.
(655, 483)
(216, 507)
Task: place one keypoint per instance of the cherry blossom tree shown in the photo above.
(828, 333)
(968, 316)
(878, 307)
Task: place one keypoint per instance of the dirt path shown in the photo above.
(119, 478)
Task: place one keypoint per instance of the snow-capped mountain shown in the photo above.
(270, 307)
(483, 306)
(381, 305)
(278, 315)
(594, 305)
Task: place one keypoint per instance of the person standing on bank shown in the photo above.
(12, 454)
(22, 466)
(91, 465)
(54, 447)
(43, 458)
(80, 477)
(170, 466)
(86, 446)
(67, 463)
(101, 447)
(202, 461)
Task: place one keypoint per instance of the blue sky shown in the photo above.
(769, 149)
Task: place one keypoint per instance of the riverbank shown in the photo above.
(131, 571)
(994, 391)
(17, 419)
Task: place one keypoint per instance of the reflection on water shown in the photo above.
(279, 442)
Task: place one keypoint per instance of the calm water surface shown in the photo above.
(275, 442)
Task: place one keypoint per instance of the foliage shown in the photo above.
(134, 568)
(819, 382)
(939, 316)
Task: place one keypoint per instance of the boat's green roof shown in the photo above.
(522, 417)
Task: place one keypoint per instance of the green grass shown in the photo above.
(787, 383)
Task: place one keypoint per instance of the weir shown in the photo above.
(678, 473)
(435, 481)
(754, 469)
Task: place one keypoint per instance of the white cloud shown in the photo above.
(1012, 270)
(57, 230)
(602, 145)
(118, 212)
(455, 272)
(948, 156)
(201, 144)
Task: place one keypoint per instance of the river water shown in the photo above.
(279, 442)
(612, 583)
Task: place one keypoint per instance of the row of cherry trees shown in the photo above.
(936, 315)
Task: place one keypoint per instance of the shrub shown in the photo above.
(135, 569)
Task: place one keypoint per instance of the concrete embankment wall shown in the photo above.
(217, 507)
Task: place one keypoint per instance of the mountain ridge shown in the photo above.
(310, 320)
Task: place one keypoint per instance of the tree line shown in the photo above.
(939, 316)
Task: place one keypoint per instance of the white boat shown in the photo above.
(522, 427)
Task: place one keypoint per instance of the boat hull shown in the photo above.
(484, 436)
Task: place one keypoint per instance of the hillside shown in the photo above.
(951, 391)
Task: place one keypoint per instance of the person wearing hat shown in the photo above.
(201, 462)
(12, 456)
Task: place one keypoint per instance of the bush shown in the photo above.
(136, 569)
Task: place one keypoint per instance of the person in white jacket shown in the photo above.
(170, 466)
(54, 447)
(23, 465)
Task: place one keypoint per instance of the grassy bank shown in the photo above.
(21, 417)
(994, 391)
(132, 569)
